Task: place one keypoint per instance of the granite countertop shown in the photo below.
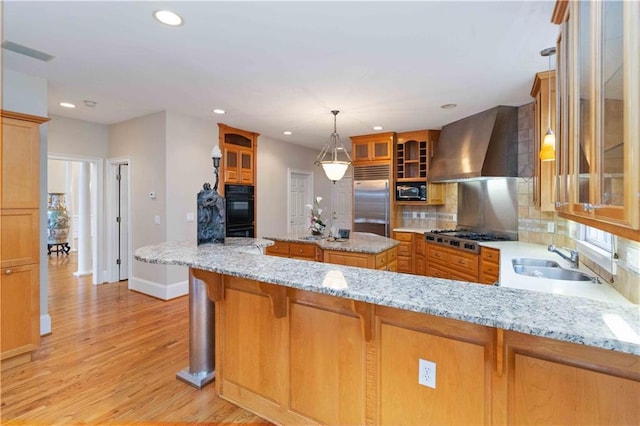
(359, 242)
(414, 230)
(579, 320)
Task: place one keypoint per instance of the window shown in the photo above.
(598, 246)
(598, 238)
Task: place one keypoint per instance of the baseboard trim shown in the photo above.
(82, 274)
(45, 324)
(157, 290)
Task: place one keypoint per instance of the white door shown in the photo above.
(300, 184)
(123, 222)
(341, 200)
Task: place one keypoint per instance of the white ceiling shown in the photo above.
(276, 66)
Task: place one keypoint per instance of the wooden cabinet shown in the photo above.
(239, 159)
(372, 148)
(444, 262)
(412, 161)
(405, 252)
(544, 92)
(387, 260)
(598, 98)
(420, 250)
(489, 265)
(20, 237)
(305, 251)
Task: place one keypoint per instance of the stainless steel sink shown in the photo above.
(311, 238)
(524, 261)
(553, 273)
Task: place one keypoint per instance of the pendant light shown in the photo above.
(548, 149)
(333, 158)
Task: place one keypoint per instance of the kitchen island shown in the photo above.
(308, 342)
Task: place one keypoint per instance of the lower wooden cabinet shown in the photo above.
(444, 262)
(20, 304)
(405, 252)
(387, 260)
(305, 251)
(297, 357)
(489, 265)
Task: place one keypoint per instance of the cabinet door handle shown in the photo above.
(8, 271)
(461, 262)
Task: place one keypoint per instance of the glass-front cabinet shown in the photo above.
(599, 114)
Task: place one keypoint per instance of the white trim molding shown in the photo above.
(157, 290)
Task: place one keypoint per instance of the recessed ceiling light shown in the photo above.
(89, 103)
(287, 132)
(67, 105)
(168, 17)
(219, 111)
(377, 127)
(448, 106)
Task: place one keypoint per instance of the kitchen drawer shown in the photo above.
(404, 249)
(280, 248)
(392, 254)
(419, 244)
(392, 266)
(381, 260)
(437, 255)
(433, 271)
(404, 236)
(457, 275)
(465, 264)
(301, 250)
(420, 266)
(490, 255)
(404, 265)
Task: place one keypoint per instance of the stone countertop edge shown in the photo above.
(566, 318)
(359, 242)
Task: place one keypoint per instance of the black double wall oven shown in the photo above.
(239, 206)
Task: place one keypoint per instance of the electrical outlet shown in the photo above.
(427, 373)
(550, 227)
(415, 215)
(423, 215)
(190, 217)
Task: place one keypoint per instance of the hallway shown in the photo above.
(112, 358)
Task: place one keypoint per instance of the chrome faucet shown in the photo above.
(573, 255)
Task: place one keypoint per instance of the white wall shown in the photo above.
(143, 141)
(188, 165)
(274, 159)
(78, 138)
(28, 94)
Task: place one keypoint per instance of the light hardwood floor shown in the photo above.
(112, 358)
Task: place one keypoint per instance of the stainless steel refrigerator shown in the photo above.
(371, 199)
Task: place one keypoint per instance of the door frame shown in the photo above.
(111, 268)
(97, 207)
(308, 190)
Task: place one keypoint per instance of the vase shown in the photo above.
(57, 219)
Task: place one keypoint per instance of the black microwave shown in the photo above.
(411, 191)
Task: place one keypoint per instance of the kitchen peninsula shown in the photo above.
(309, 342)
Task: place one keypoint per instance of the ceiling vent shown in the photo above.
(27, 51)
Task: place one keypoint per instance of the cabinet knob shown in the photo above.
(8, 271)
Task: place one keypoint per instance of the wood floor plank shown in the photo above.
(111, 359)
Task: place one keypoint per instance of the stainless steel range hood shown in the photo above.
(480, 146)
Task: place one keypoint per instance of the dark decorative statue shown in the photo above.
(211, 216)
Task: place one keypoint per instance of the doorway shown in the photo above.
(300, 184)
(342, 202)
(118, 200)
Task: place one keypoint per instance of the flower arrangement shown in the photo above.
(317, 225)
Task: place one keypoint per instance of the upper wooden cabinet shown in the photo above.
(599, 115)
(20, 144)
(368, 148)
(413, 154)
(544, 92)
(239, 159)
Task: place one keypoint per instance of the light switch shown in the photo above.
(189, 216)
(156, 219)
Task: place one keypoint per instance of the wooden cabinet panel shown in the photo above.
(350, 259)
(20, 237)
(279, 248)
(20, 145)
(489, 265)
(460, 368)
(327, 370)
(239, 148)
(405, 252)
(20, 303)
(444, 262)
(302, 251)
(376, 147)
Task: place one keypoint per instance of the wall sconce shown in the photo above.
(216, 155)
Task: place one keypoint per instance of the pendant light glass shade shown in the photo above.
(333, 158)
(548, 148)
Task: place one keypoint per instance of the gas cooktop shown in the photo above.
(464, 239)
